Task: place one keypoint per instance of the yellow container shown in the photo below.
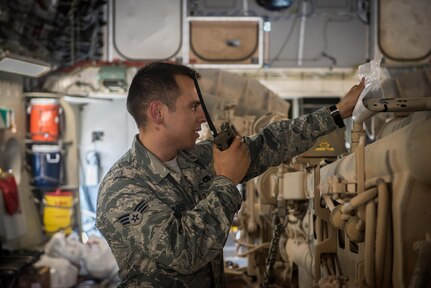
(58, 211)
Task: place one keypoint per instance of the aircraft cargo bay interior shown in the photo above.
(215, 143)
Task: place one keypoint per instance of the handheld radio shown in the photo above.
(227, 131)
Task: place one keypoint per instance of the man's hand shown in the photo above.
(233, 162)
(346, 105)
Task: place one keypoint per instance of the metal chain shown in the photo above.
(272, 253)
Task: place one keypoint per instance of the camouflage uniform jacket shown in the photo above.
(168, 234)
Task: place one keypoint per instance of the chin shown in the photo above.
(195, 141)
(189, 145)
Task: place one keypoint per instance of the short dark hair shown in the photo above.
(155, 81)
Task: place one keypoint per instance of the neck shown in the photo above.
(157, 146)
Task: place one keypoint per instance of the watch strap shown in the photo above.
(335, 113)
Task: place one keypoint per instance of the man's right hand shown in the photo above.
(348, 102)
(233, 162)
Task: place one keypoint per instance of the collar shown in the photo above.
(153, 166)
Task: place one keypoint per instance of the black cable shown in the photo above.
(204, 108)
(363, 11)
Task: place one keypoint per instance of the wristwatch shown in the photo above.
(335, 113)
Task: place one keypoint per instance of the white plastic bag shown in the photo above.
(373, 88)
(98, 258)
(62, 273)
(69, 248)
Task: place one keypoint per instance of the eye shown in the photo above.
(195, 107)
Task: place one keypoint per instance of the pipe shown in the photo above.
(399, 104)
(370, 228)
(382, 221)
(381, 232)
(329, 202)
(302, 32)
(317, 208)
(342, 213)
(265, 245)
(358, 200)
(281, 203)
(251, 198)
(358, 146)
(266, 35)
(360, 171)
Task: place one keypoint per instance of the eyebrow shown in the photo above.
(193, 103)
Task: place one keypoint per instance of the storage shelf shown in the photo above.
(42, 95)
(62, 187)
(29, 141)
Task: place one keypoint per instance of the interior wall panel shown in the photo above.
(147, 30)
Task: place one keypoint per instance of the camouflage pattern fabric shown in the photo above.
(169, 234)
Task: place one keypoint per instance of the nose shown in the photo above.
(201, 115)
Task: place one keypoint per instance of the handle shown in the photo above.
(51, 160)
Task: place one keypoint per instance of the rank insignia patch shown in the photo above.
(135, 217)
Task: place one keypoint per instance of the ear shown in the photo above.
(155, 111)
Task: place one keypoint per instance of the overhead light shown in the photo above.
(21, 65)
(84, 99)
(109, 95)
(275, 5)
